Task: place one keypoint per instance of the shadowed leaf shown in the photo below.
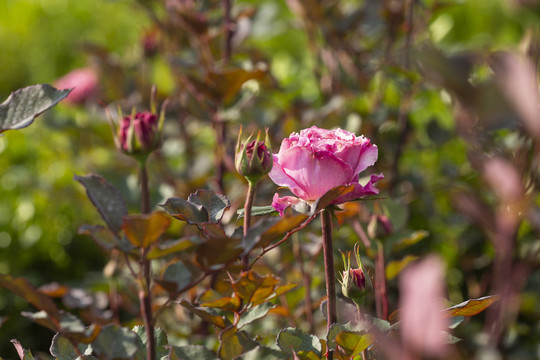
(295, 340)
(172, 247)
(101, 235)
(472, 306)
(106, 198)
(23, 105)
(215, 204)
(176, 277)
(203, 206)
(145, 230)
(186, 211)
(63, 349)
(192, 352)
(330, 196)
(254, 313)
(115, 342)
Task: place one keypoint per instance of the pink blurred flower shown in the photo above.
(139, 133)
(314, 161)
(423, 322)
(84, 83)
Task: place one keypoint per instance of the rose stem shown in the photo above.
(380, 283)
(331, 313)
(247, 217)
(144, 291)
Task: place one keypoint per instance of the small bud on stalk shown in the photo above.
(253, 158)
(355, 283)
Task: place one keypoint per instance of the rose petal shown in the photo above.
(360, 157)
(279, 177)
(315, 173)
(281, 203)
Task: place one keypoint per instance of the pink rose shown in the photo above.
(316, 160)
(84, 83)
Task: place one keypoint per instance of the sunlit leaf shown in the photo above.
(108, 201)
(353, 343)
(410, 240)
(254, 288)
(22, 106)
(145, 230)
(212, 299)
(472, 306)
(207, 315)
(394, 267)
(233, 343)
(295, 340)
(215, 204)
(225, 84)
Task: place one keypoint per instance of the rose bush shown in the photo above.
(314, 161)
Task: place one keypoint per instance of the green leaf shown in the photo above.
(410, 240)
(144, 230)
(63, 349)
(161, 342)
(21, 287)
(23, 105)
(176, 277)
(233, 343)
(258, 211)
(115, 342)
(106, 198)
(207, 315)
(254, 313)
(201, 207)
(192, 352)
(472, 306)
(295, 340)
(353, 343)
(394, 267)
(330, 196)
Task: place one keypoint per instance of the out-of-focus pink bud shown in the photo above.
(504, 179)
(84, 83)
(423, 322)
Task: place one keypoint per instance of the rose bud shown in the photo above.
(139, 134)
(355, 284)
(253, 158)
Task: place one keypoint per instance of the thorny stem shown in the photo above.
(331, 311)
(287, 236)
(247, 217)
(144, 275)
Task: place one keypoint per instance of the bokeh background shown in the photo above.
(396, 71)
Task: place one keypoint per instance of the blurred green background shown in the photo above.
(41, 206)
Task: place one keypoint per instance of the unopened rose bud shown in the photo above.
(139, 134)
(379, 226)
(355, 284)
(253, 158)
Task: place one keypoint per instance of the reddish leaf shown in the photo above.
(212, 299)
(204, 314)
(256, 289)
(22, 288)
(472, 306)
(145, 230)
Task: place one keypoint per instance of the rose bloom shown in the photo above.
(84, 83)
(314, 161)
